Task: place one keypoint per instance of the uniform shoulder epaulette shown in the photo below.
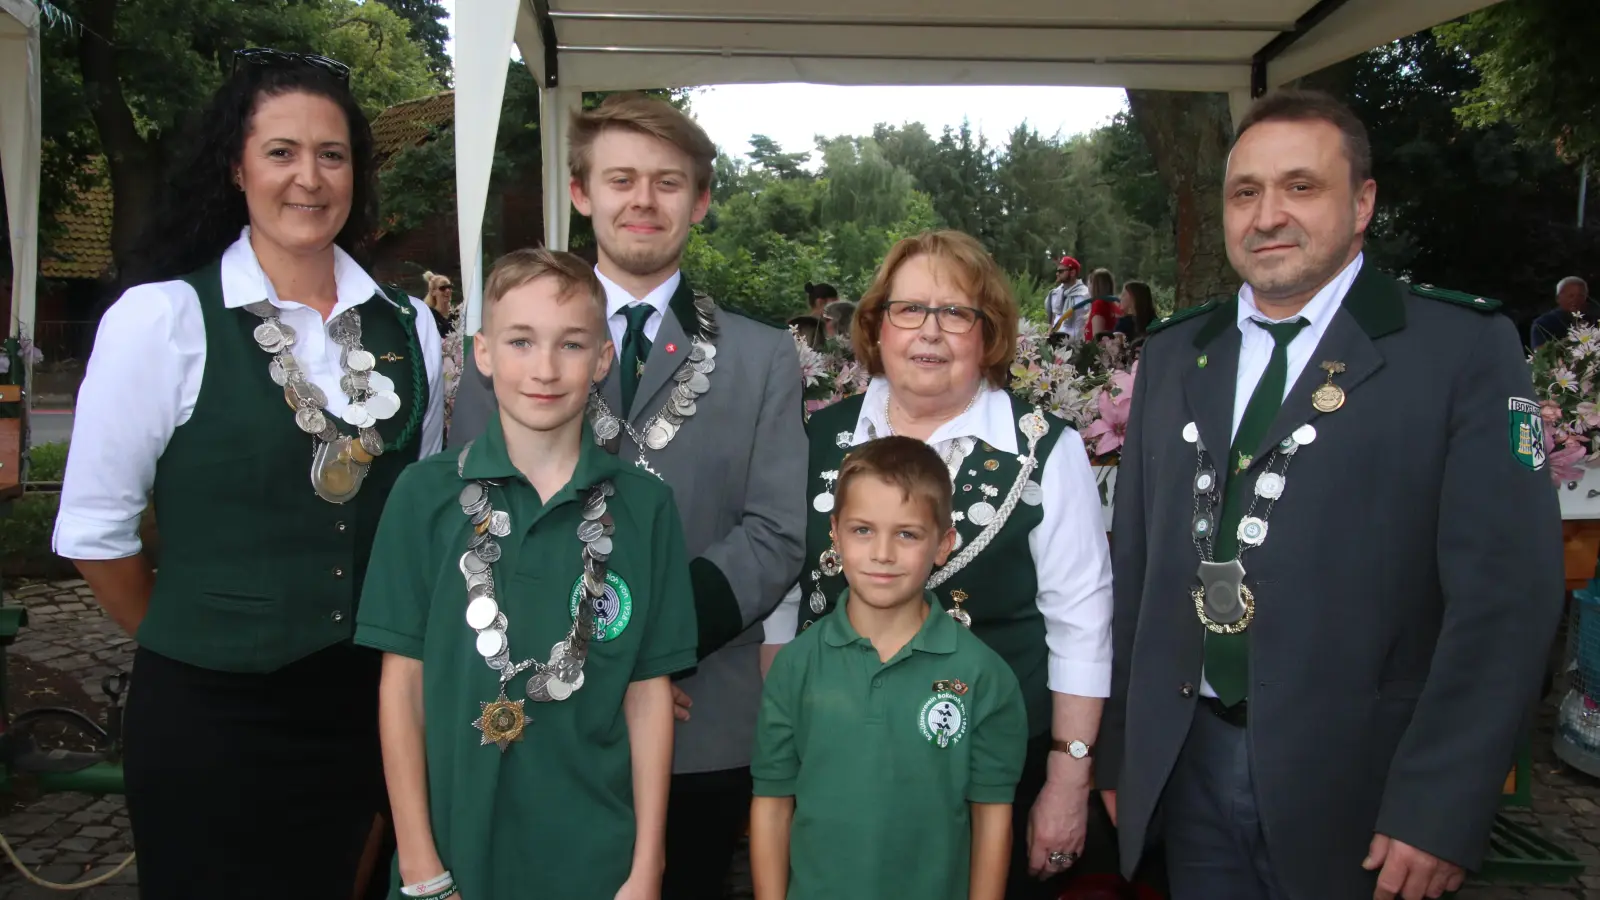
(1181, 315)
(1471, 301)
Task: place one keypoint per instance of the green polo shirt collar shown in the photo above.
(937, 634)
(489, 459)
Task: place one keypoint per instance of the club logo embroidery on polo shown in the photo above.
(1526, 430)
(616, 606)
(943, 720)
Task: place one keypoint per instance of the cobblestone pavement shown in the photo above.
(76, 837)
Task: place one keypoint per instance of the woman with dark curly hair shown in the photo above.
(264, 392)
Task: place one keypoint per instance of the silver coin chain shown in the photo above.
(308, 400)
(693, 379)
(560, 676)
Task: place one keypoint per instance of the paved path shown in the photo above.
(73, 837)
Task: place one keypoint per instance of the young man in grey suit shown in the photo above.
(710, 401)
(1337, 560)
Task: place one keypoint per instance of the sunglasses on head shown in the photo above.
(283, 59)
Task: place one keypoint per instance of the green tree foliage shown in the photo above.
(117, 88)
(1536, 59)
(766, 153)
(1462, 206)
(426, 18)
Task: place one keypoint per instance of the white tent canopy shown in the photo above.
(19, 151)
(1240, 47)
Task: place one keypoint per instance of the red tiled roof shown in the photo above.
(83, 249)
(408, 124)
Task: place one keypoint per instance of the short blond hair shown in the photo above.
(908, 464)
(976, 274)
(573, 277)
(633, 111)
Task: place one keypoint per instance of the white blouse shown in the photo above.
(144, 377)
(1071, 557)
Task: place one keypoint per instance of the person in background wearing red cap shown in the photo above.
(1064, 306)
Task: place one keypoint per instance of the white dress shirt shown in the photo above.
(144, 376)
(1255, 349)
(617, 297)
(1071, 559)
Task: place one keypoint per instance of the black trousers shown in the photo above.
(706, 817)
(251, 786)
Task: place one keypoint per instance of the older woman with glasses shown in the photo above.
(267, 393)
(1031, 574)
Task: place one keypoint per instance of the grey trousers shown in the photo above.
(1215, 847)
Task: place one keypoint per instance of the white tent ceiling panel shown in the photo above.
(600, 70)
(890, 41)
(1276, 14)
(1358, 26)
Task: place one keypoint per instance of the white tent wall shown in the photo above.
(20, 112)
(1238, 47)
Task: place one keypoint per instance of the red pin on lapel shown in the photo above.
(672, 348)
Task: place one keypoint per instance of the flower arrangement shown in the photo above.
(1088, 385)
(1566, 372)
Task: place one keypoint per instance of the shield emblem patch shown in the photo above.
(1526, 432)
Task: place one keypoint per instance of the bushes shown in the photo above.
(47, 462)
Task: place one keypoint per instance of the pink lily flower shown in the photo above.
(1111, 429)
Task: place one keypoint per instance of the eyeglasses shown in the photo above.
(951, 319)
(282, 59)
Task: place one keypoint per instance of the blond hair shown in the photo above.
(573, 277)
(978, 276)
(633, 111)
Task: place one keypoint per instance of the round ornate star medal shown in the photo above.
(501, 721)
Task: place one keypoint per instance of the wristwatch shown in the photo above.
(1074, 749)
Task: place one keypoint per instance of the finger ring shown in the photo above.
(1063, 860)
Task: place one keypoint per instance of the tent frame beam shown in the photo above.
(1279, 28)
(786, 54)
(1313, 17)
(547, 35)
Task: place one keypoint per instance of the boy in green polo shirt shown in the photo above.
(531, 566)
(890, 739)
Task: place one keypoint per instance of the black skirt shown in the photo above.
(242, 786)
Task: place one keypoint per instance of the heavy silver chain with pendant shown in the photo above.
(339, 463)
(693, 380)
(1222, 601)
(561, 675)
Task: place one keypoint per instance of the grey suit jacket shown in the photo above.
(737, 470)
(1406, 594)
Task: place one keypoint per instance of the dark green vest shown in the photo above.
(257, 571)
(1000, 583)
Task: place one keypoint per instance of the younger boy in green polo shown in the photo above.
(531, 595)
(890, 740)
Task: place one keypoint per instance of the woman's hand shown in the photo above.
(1058, 824)
(636, 888)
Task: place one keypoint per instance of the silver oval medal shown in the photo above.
(606, 428)
(310, 420)
(980, 513)
(1269, 486)
(823, 502)
(355, 414)
(1305, 434)
(481, 612)
(819, 602)
(360, 360)
(1252, 531)
(1191, 432)
(1032, 493)
(601, 547)
(699, 383)
(499, 523)
(490, 643)
(656, 438)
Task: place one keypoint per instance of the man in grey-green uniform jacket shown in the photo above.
(1337, 560)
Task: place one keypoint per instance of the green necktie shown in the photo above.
(635, 350)
(1228, 655)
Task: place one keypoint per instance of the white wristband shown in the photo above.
(431, 886)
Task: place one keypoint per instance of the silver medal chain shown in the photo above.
(1208, 502)
(562, 675)
(278, 338)
(693, 379)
